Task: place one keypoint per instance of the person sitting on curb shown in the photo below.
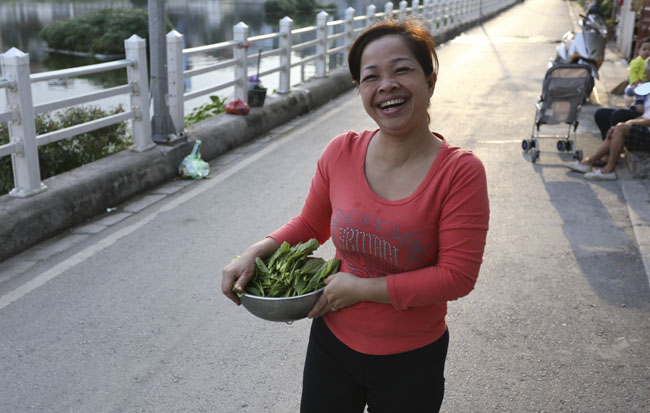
(633, 134)
(607, 117)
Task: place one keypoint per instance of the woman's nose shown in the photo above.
(387, 83)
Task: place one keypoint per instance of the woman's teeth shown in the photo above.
(392, 103)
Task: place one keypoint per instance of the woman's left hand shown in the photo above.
(341, 291)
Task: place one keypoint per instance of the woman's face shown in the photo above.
(393, 87)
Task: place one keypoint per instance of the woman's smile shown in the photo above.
(392, 105)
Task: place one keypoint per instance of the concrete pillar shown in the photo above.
(135, 49)
(349, 31)
(175, 79)
(22, 131)
(240, 53)
(370, 15)
(321, 47)
(286, 25)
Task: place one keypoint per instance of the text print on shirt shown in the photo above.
(370, 246)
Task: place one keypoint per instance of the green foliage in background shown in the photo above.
(64, 155)
(102, 31)
(294, 7)
(216, 106)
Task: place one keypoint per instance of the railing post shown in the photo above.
(22, 131)
(321, 46)
(415, 8)
(240, 53)
(453, 11)
(349, 31)
(135, 49)
(370, 15)
(388, 11)
(445, 15)
(402, 10)
(286, 25)
(473, 6)
(175, 79)
(467, 6)
(433, 24)
(426, 11)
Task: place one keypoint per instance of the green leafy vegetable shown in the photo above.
(290, 271)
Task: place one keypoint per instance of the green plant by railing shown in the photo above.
(64, 155)
(216, 106)
(102, 31)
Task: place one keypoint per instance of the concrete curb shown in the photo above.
(76, 196)
(637, 200)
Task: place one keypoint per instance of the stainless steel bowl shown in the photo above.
(281, 309)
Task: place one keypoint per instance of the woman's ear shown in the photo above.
(432, 83)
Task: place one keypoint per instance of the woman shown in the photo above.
(408, 215)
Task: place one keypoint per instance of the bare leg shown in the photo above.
(616, 147)
(602, 151)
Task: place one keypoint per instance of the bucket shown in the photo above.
(256, 97)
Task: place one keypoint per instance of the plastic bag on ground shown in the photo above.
(237, 107)
(192, 166)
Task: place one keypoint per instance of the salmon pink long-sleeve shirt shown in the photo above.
(429, 245)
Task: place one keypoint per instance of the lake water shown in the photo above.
(200, 21)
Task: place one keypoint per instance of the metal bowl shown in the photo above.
(282, 308)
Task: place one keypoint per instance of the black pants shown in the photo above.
(606, 118)
(339, 379)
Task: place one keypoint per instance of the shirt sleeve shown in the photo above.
(314, 218)
(461, 241)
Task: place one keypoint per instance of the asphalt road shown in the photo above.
(125, 314)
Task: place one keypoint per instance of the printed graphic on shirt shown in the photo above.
(371, 246)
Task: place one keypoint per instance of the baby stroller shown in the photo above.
(565, 88)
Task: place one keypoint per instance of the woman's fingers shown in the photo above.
(227, 282)
(234, 280)
(321, 307)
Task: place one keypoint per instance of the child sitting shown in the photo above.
(636, 70)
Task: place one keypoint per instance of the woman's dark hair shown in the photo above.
(418, 39)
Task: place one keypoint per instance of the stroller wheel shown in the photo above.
(562, 146)
(578, 155)
(525, 145)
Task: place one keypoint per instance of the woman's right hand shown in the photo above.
(237, 274)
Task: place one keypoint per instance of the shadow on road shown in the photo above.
(597, 227)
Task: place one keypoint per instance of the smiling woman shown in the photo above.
(408, 215)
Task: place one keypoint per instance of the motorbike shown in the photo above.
(586, 46)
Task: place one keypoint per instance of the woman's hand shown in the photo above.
(237, 274)
(341, 291)
(344, 290)
(619, 125)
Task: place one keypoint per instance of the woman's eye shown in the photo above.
(402, 69)
(369, 77)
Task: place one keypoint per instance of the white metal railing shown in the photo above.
(23, 140)
(332, 40)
